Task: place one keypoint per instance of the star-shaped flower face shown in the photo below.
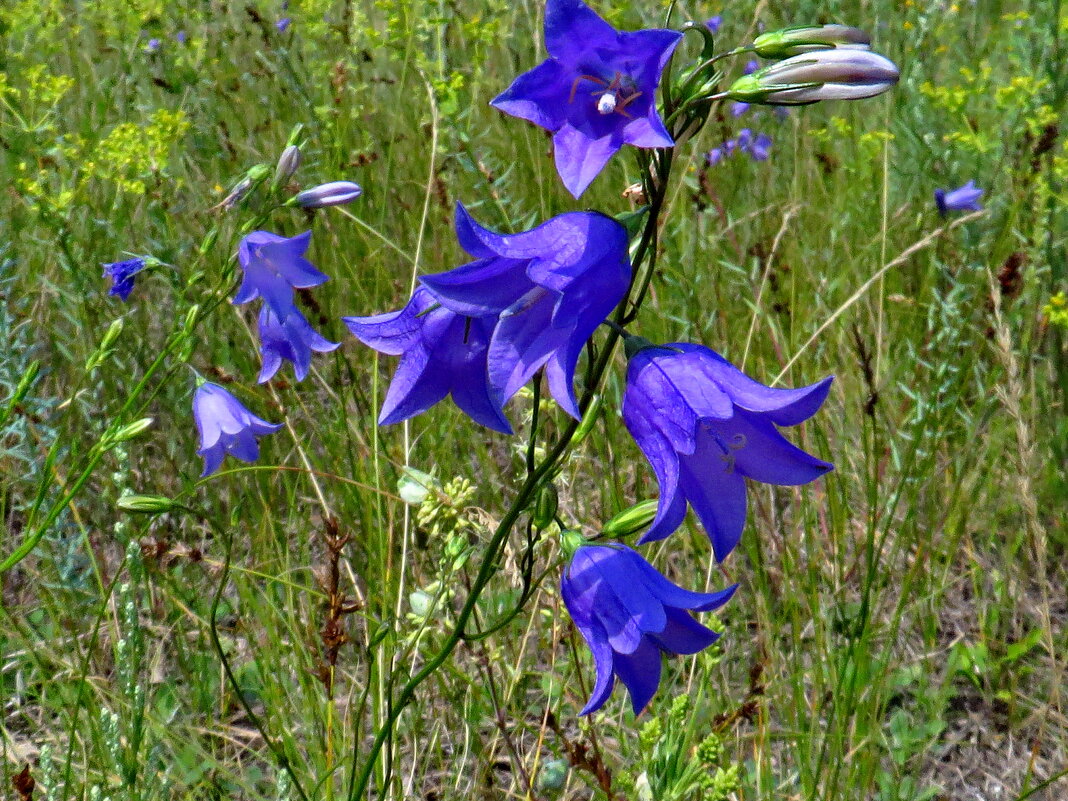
(441, 352)
(705, 426)
(275, 265)
(545, 291)
(629, 614)
(291, 338)
(226, 426)
(596, 91)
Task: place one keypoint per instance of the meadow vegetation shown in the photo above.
(899, 632)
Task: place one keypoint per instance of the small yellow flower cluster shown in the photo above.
(132, 152)
(1056, 310)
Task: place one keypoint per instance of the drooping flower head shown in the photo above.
(226, 426)
(546, 289)
(122, 275)
(441, 352)
(705, 427)
(629, 615)
(964, 198)
(291, 338)
(596, 91)
(275, 265)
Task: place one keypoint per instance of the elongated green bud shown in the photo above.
(589, 420)
(806, 38)
(132, 430)
(149, 504)
(631, 520)
(545, 506)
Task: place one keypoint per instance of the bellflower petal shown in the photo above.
(704, 426)
(629, 614)
(547, 290)
(965, 198)
(291, 338)
(275, 265)
(441, 352)
(226, 426)
(596, 91)
(122, 275)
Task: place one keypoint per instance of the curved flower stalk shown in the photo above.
(547, 290)
(441, 352)
(629, 615)
(596, 91)
(226, 427)
(274, 266)
(705, 427)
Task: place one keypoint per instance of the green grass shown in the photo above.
(899, 633)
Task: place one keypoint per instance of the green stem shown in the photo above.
(533, 482)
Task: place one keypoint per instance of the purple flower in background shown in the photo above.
(751, 66)
(629, 614)
(715, 23)
(965, 198)
(705, 426)
(122, 275)
(335, 193)
(441, 352)
(756, 147)
(153, 45)
(275, 265)
(226, 427)
(291, 338)
(738, 109)
(547, 290)
(596, 91)
(181, 37)
(283, 24)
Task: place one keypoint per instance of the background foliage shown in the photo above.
(899, 631)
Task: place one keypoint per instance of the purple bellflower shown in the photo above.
(965, 198)
(757, 147)
(153, 45)
(705, 426)
(291, 338)
(122, 275)
(283, 24)
(596, 91)
(226, 427)
(629, 614)
(273, 266)
(441, 352)
(547, 289)
(715, 23)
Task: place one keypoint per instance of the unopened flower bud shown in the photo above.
(545, 507)
(631, 520)
(153, 504)
(822, 75)
(334, 193)
(806, 38)
(288, 163)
